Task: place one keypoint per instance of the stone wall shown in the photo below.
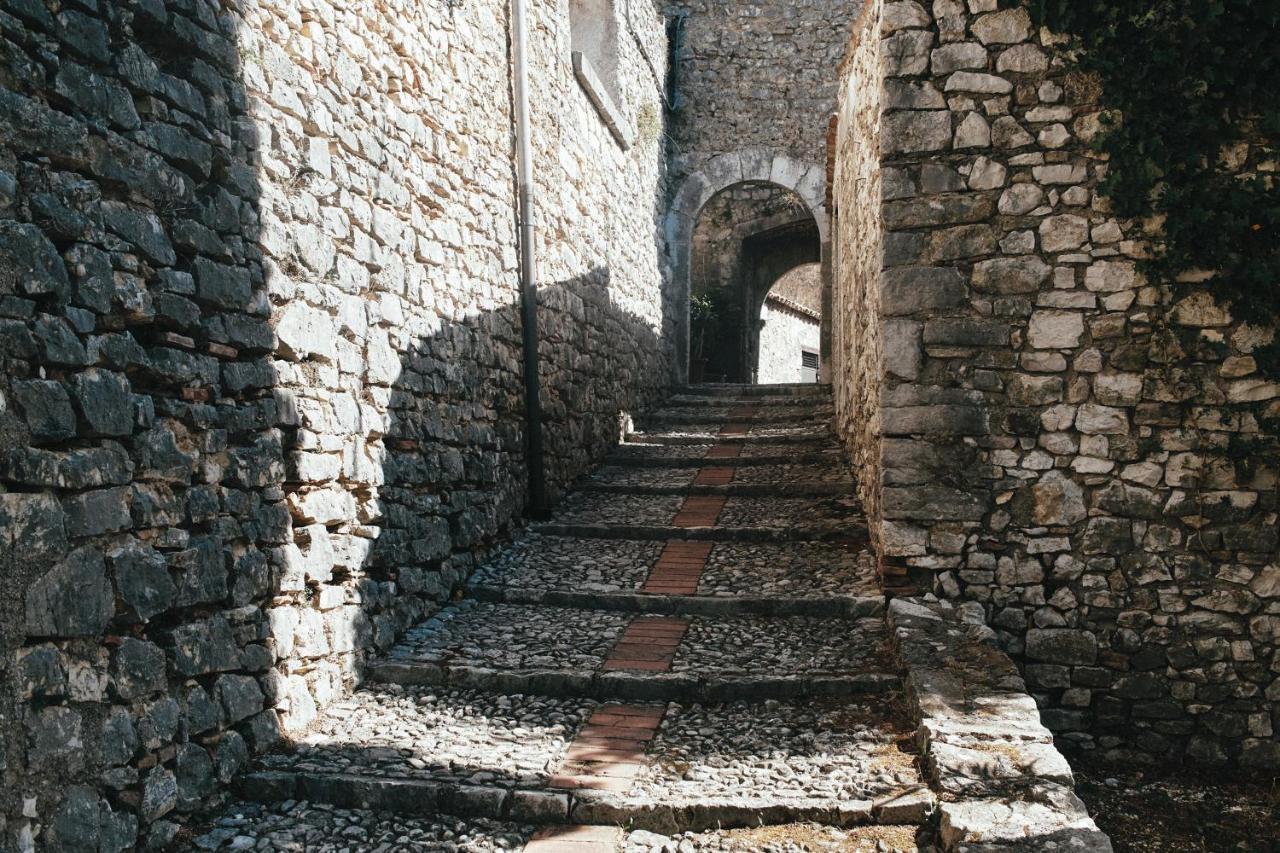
(260, 396)
(1091, 456)
(756, 75)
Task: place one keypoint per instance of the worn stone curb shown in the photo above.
(815, 457)
(761, 418)
(829, 606)
(702, 534)
(716, 438)
(773, 490)
(420, 797)
(730, 390)
(1002, 784)
(615, 685)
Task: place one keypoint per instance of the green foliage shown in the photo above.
(1190, 79)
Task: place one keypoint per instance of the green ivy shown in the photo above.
(1190, 79)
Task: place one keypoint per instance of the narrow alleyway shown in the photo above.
(691, 654)
(694, 640)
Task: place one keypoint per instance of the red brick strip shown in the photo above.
(649, 643)
(699, 511)
(714, 476)
(739, 420)
(724, 451)
(679, 568)
(608, 752)
(575, 839)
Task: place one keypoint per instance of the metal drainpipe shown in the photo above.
(528, 273)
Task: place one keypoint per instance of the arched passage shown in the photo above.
(751, 166)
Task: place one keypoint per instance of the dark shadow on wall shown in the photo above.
(198, 525)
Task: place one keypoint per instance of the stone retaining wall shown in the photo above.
(260, 396)
(1090, 456)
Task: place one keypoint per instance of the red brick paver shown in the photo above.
(679, 568)
(739, 420)
(699, 511)
(724, 451)
(714, 476)
(608, 752)
(575, 839)
(649, 643)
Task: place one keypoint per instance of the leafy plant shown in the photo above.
(1193, 81)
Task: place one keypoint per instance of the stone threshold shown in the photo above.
(630, 685)
(552, 806)
(809, 457)
(640, 438)
(757, 490)
(831, 606)
(835, 531)
(752, 391)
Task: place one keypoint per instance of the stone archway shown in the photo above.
(806, 180)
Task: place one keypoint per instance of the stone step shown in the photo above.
(692, 414)
(716, 517)
(562, 651)
(712, 432)
(712, 389)
(778, 479)
(306, 826)
(661, 768)
(678, 578)
(736, 454)
(761, 401)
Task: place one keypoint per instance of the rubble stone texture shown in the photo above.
(260, 371)
(1035, 428)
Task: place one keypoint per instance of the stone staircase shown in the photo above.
(692, 654)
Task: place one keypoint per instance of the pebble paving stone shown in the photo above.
(794, 568)
(319, 828)
(757, 754)
(794, 838)
(713, 727)
(543, 562)
(598, 508)
(782, 645)
(466, 737)
(513, 636)
(741, 511)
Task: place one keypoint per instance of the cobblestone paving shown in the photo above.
(514, 636)
(790, 512)
(793, 473)
(792, 838)
(319, 828)
(417, 733)
(653, 625)
(794, 646)
(796, 568)
(757, 752)
(667, 478)
(557, 562)
(597, 508)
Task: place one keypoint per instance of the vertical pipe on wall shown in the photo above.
(528, 272)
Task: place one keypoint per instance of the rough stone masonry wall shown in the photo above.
(260, 397)
(1090, 456)
(757, 75)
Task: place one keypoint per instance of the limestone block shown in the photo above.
(1006, 27)
(910, 290)
(916, 130)
(903, 14)
(1055, 329)
(972, 132)
(905, 53)
(1063, 233)
(958, 56)
(1010, 275)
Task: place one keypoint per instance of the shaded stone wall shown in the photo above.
(757, 75)
(1091, 456)
(260, 396)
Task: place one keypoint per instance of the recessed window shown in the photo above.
(593, 35)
